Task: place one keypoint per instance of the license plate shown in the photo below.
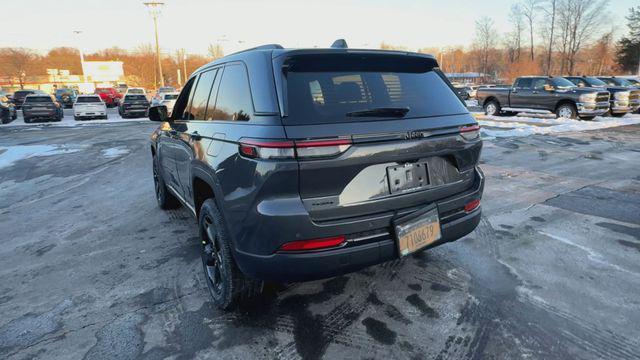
(40, 109)
(418, 233)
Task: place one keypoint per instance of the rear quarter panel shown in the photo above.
(500, 94)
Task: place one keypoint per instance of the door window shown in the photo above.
(181, 105)
(234, 101)
(201, 95)
(538, 84)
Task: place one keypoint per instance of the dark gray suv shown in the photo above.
(302, 164)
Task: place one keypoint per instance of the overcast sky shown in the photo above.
(238, 24)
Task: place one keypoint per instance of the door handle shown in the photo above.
(195, 136)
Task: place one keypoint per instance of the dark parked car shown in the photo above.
(309, 163)
(619, 100)
(540, 94)
(133, 106)
(462, 91)
(8, 111)
(18, 96)
(634, 90)
(66, 97)
(41, 107)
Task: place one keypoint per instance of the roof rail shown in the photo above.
(340, 44)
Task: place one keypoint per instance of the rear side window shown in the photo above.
(329, 93)
(201, 95)
(39, 99)
(89, 99)
(234, 96)
(539, 83)
(524, 83)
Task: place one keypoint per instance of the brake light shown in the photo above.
(313, 244)
(471, 205)
(285, 149)
(470, 132)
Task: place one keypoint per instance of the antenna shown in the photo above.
(340, 44)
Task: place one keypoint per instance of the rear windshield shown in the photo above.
(89, 99)
(136, 91)
(135, 98)
(170, 97)
(22, 93)
(332, 93)
(37, 99)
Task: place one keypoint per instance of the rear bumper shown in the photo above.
(40, 114)
(364, 248)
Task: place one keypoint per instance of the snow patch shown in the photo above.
(517, 126)
(115, 152)
(12, 154)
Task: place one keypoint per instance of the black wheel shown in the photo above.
(166, 200)
(15, 115)
(227, 284)
(76, 118)
(104, 117)
(587, 117)
(4, 116)
(567, 111)
(27, 120)
(492, 108)
(618, 114)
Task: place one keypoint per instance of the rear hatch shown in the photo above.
(374, 131)
(38, 104)
(136, 102)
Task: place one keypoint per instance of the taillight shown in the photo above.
(313, 244)
(471, 205)
(470, 132)
(285, 149)
(265, 149)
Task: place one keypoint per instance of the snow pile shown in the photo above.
(514, 126)
(10, 155)
(68, 121)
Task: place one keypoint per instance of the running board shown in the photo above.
(525, 110)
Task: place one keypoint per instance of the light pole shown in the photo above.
(78, 33)
(155, 8)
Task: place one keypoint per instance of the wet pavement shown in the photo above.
(91, 268)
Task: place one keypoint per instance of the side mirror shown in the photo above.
(158, 113)
(549, 87)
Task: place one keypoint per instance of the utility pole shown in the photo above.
(155, 8)
(184, 64)
(78, 33)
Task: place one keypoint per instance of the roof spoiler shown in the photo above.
(340, 44)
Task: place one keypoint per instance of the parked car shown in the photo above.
(619, 95)
(133, 105)
(8, 110)
(135, 91)
(167, 99)
(462, 92)
(309, 163)
(89, 107)
(540, 94)
(109, 96)
(66, 97)
(41, 107)
(20, 95)
(634, 91)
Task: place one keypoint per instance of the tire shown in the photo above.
(76, 118)
(166, 200)
(15, 115)
(226, 282)
(5, 116)
(618, 115)
(492, 108)
(104, 117)
(27, 120)
(567, 111)
(587, 117)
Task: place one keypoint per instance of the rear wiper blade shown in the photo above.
(376, 112)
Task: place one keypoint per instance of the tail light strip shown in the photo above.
(302, 149)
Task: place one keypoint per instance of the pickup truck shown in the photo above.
(541, 94)
(109, 96)
(619, 103)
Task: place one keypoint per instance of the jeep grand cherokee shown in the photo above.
(305, 164)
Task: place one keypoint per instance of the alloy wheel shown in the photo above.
(565, 112)
(491, 109)
(211, 258)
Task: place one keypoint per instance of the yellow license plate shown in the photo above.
(415, 235)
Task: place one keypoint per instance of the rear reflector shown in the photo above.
(470, 132)
(471, 205)
(313, 244)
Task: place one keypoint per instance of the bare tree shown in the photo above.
(215, 51)
(17, 63)
(485, 41)
(579, 21)
(550, 10)
(530, 11)
(514, 38)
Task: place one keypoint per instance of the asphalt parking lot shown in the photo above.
(91, 268)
